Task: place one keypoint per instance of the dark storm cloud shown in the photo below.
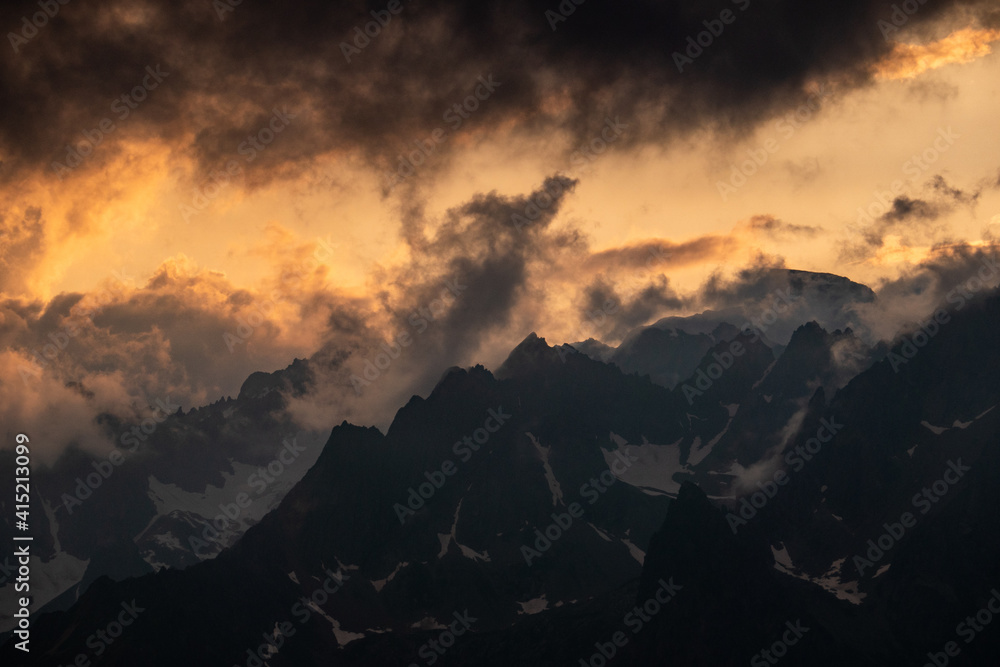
(229, 71)
(916, 220)
(906, 209)
(953, 275)
(472, 272)
(947, 191)
(474, 281)
(616, 315)
(751, 283)
(660, 253)
(949, 268)
(775, 228)
(480, 244)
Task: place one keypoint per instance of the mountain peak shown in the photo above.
(293, 377)
(528, 354)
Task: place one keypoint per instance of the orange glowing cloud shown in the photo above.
(907, 61)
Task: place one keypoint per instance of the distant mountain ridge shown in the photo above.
(505, 532)
(774, 307)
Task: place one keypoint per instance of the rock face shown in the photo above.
(830, 505)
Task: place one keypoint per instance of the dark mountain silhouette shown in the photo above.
(539, 509)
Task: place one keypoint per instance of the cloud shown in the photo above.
(223, 78)
(464, 285)
(777, 300)
(187, 334)
(611, 314)
(804, 171)
(470, 284)
(56, 414)
(472, 278)
(468, 287)
(915, 221)
(21, 241)
(956, 195)
(775, 228)
(906, 209)
(659, 253)
(228, 72)
(907, 61)
(958, 270)
(923, 90)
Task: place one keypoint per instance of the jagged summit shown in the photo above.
(528, 354)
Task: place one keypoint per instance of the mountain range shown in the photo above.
(720, 489)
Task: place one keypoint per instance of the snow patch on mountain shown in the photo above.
(343, 637)
(379, 584)
(534, 606)
(832, 581)
(655, 467)
(636, 552)
(936, 430)
(447, 539)
(543, 454)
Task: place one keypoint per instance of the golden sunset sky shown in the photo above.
(304, 238)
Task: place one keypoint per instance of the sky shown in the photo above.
(194, 191)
